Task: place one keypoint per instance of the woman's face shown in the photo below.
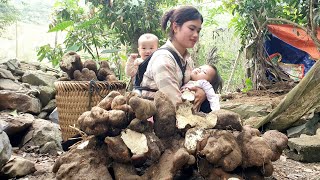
(204, 72)
(188, 34)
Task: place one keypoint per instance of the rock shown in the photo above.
(18, 167)
(16, 124)
(248, 110)
(50, 106)
(8, 84)
(12, 65)
(252, 121)
(41, 132)
(5, 148)
(6, 74)
(305, 148)
(19, 101)
(54, 116)
(46, 94)
(42, 115)
(49, 148)
(308, 128)
(38, 78)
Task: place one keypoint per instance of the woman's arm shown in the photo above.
(200, 97)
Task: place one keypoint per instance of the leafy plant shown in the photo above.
(52, 54)
(248, 85)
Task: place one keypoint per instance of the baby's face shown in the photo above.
(205, 72)
(146, 48)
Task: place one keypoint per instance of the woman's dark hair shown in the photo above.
(180, 16)
(216, 81)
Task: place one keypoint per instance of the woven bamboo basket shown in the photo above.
(73, 98)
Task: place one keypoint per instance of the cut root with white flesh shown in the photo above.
(136, 142)
(193, 136)
(188, 96)
(185, 117)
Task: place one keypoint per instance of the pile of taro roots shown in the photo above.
(121, 141)
(76, 70)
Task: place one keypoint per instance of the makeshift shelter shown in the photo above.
(294, 48)
(286, 53)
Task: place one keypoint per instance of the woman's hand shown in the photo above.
(200, 97)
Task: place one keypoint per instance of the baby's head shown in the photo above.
(209, 73)
(147, 44)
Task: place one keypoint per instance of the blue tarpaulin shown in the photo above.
(289, 53)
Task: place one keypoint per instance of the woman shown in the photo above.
(163, 72)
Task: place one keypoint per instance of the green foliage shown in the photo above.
(249, 15)
(130, 19)
(8, 14)
(98, 28)
(249, 85)
(52, 54)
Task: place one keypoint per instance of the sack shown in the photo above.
(295, 71)
(143, 67)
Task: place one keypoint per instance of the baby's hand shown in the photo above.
(133, 56)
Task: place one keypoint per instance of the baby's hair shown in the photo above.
(217, 81)
(148, 37)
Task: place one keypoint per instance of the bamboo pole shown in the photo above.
(233, 70)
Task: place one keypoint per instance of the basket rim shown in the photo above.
(85, 85)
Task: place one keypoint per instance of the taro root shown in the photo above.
(165, 117)
(111, 78)
(221, 149)
(124, 171)
(119, 103)
(84, 75)
(91, 65)
(104, 71)
(70, 62)
(277, 142)
(186, 118)
(142, 108)
(218, 173)
(117, 149)
(192, 137)
(87, 160)
(227, 120)
(255, 150)
(168, 165)
(140, 125)
(98, 121)
(136, 142)
(106, 102)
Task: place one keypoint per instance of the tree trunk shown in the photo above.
(300, 100)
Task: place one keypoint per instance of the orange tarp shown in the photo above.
(296, 37)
